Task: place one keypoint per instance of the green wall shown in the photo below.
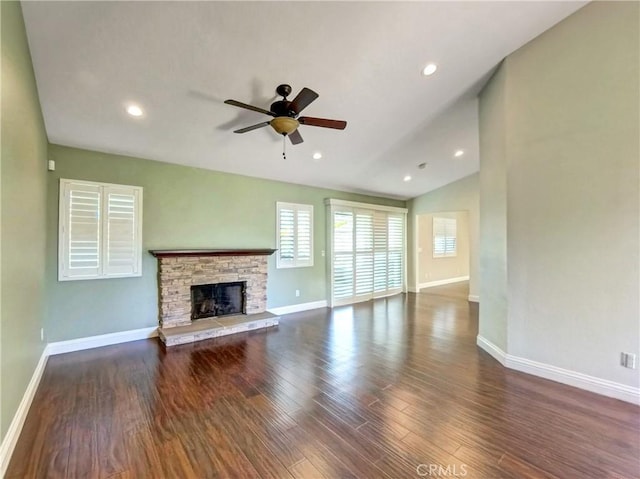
(22, 220)
(183, 208)
(560, 129)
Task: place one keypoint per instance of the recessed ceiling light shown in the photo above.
(317, 155)
(430, 69)
(134, 110)
(458, 153)
(407, 178)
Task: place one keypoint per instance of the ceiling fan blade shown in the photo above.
(249, 107)
(323, 122)
(295, 137)
(252, 127)
(304, 98)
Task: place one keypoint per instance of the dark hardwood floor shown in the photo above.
(393, 388)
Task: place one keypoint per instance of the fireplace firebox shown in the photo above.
(218, 299)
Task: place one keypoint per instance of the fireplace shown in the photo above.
(204, 294)
(218, 299)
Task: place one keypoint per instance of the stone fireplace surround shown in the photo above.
(178, 270)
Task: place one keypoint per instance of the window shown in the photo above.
(295, 235)
(367, 251)
(444, 237)
(100, 231)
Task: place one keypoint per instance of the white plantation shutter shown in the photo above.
(367, 251)
(444, 237)
(121, 251)
(364, 253)
(100, 230)
(295, 235)
(286, 236)
(395, 248)
(343, 281)
(304, 236)
(82, 244)
(380, 252)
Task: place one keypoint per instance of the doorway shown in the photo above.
(443, 249)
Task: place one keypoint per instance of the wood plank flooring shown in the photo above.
(394, 388)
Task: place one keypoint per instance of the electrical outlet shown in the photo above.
(297, 293)
(41, 334)
(628, 360)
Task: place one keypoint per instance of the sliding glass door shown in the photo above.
(367, 251)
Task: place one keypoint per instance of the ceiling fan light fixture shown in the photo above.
(284, 125)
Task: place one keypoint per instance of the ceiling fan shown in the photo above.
(285, 114)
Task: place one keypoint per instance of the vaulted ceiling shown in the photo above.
(180, 60)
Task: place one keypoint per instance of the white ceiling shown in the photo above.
(181, 60)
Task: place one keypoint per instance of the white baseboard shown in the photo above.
(474, 298)
(576, 379)
(497, 353)
(296, 308)
(603, 387)
(412, 289)
(79, 344)
(15, 428)
(441, 282)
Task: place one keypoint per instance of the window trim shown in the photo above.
(365, 206)
(63, 228)
(296, 262)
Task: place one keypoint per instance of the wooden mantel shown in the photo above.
(165, 253)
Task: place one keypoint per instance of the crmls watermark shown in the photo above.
(439, 470)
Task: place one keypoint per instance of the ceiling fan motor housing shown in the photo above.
(281, 108)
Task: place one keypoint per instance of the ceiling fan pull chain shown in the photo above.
(284, 147)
